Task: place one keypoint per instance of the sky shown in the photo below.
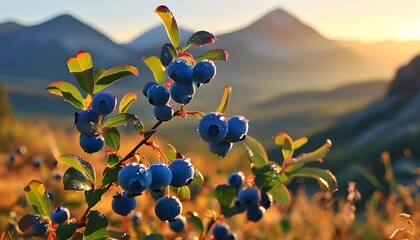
(359, 20)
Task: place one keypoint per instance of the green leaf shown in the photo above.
(68, 91)
(184, 194)
(96, 227)
(255, 151)
(228, 212)
(94, 196)
(81, 165)
(224, 194)
(267, 176)
(111, 176)
(196, 221)
(98, 72)
(122, 119)
(66, 230)
(114, 74)
(305, 158)
(75, 180)
(300, 142)
(126, 101)
(224, 102)
(169, 48)
(170, 24)
(37, 196)
(286, 143)
(199, 38)
(170, 154)
(215, 55)
(325, 178)
(198, 177)
(113, 160)
(81, 67)
(157, 68)
(281, 195)
(26, 222)
(369, 176)
(112, 138)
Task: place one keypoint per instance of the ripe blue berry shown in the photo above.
(40, 228)
(136, 217)
(266, 200)
(38, 161)
(60, 215)
(221, 148)
(134, 178)
(204, 71)
(158, 95)
(123, 204)
(161, 176)
(179, 224)
(163, 113)
(249, 196)
(220, 231)
(182, 93)
(91, 144)
(179, 71)
(165, 55)
(239, 205)
(147, 86)
(238, 128)
(85, 121)
(255, 213)
(168, 208)
(103, 103)
(182, 172)
(231, 236)
(57, 176)
(236, 179)
(213, 127)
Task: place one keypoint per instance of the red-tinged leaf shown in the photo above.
(224, 103)
(170, 24)
(300, 142)
(183, 194)
(81, 67)
(26, 222)
(37, 196)
(286, 143)
(126, 101)
(114, 74)
(157, 68)
(187, 57)
(199, 38)
(68, 91)
(215, 55)
(304, 158)
(255, 152)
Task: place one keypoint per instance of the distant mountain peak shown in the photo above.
(63, 19)
(407, 79)
(10, 26)
(280, 17)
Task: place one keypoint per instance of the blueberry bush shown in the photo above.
(171, 179)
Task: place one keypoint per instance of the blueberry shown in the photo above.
(165, 55)
(57, 176)
(134, 178)
(204, 71)
(231, 236)
(182, 93)
(60, 215)
(11, 159)
(179, 71)
(85, 121)
(238, 128)
(136, 217)
(40, 228)
(147, 86)
(213, 127)
(221, 148)
(168, 208)
(91, 144)
(38, 161)
(236, 179)
(163, 113)
(220, 231)
(158, 95)
(103, 103)
(239, 206)
(161, 176)
(266, 200)
(249, 196)
(123, 204)
(255, 213)
(179, 224)
(182, 172)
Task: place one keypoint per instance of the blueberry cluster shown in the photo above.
(185, 78)
(135, 178)
(221, 231)
(103, 103)
(220, 133)
(250, 199)
(59, 215)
